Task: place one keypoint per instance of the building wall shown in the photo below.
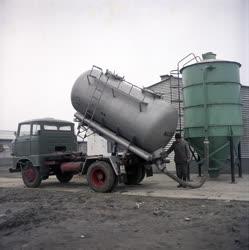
(168, 88)
(245, 117)
(5, 152)
(6, 137)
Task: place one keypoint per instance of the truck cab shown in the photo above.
(40, 148)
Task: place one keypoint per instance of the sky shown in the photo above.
(46, 44)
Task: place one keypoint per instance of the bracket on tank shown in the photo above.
(114, 76)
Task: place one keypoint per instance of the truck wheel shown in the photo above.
(134, 175)
(101, 177)
(64, 177)
(31, 175)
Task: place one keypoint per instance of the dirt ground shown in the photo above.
(48, 219)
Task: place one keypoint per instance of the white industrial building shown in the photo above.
(6, 137)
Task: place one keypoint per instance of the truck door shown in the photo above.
(23, 140)
(35, 139)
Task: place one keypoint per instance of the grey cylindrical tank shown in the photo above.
(138, 115)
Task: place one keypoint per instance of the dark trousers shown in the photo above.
(181, 170)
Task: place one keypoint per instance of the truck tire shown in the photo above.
(31, 175)
(134, 175)
(64, 177)
(101, 177)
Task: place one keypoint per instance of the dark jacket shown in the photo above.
(182, 154)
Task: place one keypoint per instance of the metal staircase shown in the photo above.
(176, 97)
(177, 100)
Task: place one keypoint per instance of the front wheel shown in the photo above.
(31, 175)
(101, 177)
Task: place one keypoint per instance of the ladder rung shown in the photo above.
(176, 100)
(93, 76)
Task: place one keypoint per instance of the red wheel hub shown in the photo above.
(98, 177)
(30, 174)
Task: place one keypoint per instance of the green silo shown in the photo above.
(212, 107)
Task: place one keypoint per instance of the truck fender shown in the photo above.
(22, 161)
(113, 160)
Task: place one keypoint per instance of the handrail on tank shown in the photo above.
(190, 54)
(122, 79)
(96, 67)
(190, 61)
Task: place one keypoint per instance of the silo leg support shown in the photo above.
(199, 166)
(240, 163)
(206, 153)
(232, 160)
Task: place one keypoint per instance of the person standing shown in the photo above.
(182, 156)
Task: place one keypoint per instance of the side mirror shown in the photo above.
(15, 133)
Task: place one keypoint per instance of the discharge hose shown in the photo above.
(162, 167)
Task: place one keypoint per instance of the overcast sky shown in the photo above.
(46, 44)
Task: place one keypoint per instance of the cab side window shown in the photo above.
(35, 129)
(24, 130)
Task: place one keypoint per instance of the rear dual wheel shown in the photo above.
(101, 177)
(64, 177)
(134, 174)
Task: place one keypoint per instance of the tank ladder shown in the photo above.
(93, 103)
(178, 99)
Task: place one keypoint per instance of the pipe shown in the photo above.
(112, 136)
(163, 169)
(161, 166)
(205, 99)
(74, 166)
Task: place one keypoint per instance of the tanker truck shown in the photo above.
(137, 119)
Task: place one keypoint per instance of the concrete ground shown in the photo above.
(157, 186)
